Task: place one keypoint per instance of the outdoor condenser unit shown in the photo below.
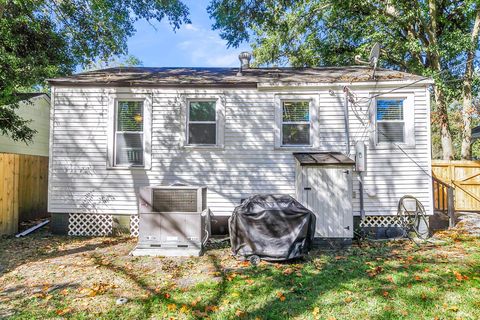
(174, 221)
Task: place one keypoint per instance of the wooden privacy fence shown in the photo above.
(23, 189)
(464, 176)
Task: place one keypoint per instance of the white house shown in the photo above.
(261, 130)
(34, 107)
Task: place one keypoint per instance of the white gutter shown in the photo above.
(315, 85)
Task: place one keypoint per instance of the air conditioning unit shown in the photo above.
(174, 221)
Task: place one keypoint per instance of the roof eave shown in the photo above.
(312, 85)
(152, 85)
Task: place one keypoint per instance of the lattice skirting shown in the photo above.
(380, 221)
(134, 219)
(84, 224)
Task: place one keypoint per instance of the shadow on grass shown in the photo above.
(323, 274)
(15, 252)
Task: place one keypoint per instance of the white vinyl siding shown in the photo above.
(251, 159)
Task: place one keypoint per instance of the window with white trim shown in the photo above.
(129, 134)
(390, 120)
(296, 124)
(202, 123)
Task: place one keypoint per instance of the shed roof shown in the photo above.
(145, 76)
(322, 158)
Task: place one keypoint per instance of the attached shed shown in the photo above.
(324, 185)
(116, 130)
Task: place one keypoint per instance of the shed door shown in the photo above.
(327, 192)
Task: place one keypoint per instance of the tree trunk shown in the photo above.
(446, 138)
(467, 108)
(432, 29)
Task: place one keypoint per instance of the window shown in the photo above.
(390, 121)
(202, 123)
(295, 123)
(129, 133)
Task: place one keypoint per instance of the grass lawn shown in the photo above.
(45, 276)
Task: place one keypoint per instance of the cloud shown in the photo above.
(205, 47)
(191, 45)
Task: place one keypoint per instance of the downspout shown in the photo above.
(345, 117)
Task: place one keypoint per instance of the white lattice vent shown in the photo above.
(84, 224)
(380, 221)
(134, 219)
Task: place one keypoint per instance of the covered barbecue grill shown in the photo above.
(271, 227)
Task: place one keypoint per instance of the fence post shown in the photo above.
(451, 207)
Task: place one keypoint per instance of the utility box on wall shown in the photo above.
(173, 221)
(360, 156)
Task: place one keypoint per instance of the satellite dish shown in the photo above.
(373, 59)
(374, 54)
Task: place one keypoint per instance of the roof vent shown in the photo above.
(244, 58)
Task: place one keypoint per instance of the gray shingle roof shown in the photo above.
(322, 158)
(144, 76)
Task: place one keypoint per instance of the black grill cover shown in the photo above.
(273, 227)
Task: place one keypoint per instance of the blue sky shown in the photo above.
(193, 45)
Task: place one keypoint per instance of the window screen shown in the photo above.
(202, 123)
(390, 121)
(296, 123)
(129, 133)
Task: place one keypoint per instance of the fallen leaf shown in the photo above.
(184, 309)
(453, 308)
(231, 276)
(418, 278)
(459, 276)
(390, 279)
(196, 301)
(281, 296)
(240, 313)
(211, 308)
(250, 281)
(374, 271)
(171, 307)
(385, 294)
(348, 299)
(167, 295)
(244, 263)
(288, 271)
(61, 312)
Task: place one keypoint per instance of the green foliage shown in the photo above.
(117, 61)
(333, 32)
(41, 39)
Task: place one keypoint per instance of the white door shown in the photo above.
(327, 191)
